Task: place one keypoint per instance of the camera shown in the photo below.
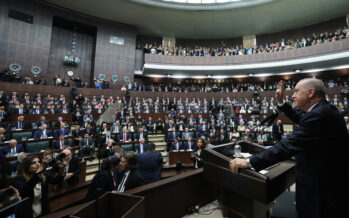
(194, 155)
(57, 158)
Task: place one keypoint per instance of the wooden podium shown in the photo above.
(248, 194)
(113, 205)
(182, 156)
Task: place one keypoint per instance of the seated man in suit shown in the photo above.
(150, 124)
(108, 150)
(77, 135)
(131, 177)
(176, 146)
(116, 127)
(141, 135)
(86, 146)
(189, 145)
(42, 133)
(124, 136)
(62, 130)
(37, 110)
(13, 149)
(150, 164)
(3, 136)
(61, 143)
(20, 124)
(42, 121)
(141, 146)
(173, 135)
(186, 134)
(73, 167)
(21, 110)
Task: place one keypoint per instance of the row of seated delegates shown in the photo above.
(231, 87)
(315, 39)
(36, 172)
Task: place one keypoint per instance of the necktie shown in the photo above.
(177, 146)
(13, 151)
(124, 137)
(62, 146)
(87, 142)
(120, 188)
(20, 125)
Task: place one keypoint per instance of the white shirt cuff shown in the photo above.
(282, 104)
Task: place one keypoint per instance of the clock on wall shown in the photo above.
(101, 76)
(114, 78)
(126, 79)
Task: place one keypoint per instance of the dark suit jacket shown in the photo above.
(150, 165)
(39, 123)
(74, 167)
(321, 177)
(134, 180)
(7, 149)
(16, 125)
(101, 183)
(38, 133)
(121, 137)
(56, 144)
(138, 148)
(275, 131)
(59, 131)
(174, 147)
(145, 136)
(193, 146)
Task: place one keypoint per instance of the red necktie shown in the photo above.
(124, 137)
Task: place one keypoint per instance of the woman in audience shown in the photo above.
(32, 181)
(197, 156)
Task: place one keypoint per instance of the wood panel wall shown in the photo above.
(61, 44)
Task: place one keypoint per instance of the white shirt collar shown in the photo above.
(312, 107)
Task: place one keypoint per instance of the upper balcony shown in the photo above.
(330, 55)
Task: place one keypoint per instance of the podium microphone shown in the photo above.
(270, 119)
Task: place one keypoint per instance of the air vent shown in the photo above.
(20, 16)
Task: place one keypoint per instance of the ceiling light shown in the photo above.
(250, 74)
(297, 70)
(208, 75)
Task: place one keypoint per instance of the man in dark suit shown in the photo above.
(150, 124)
(62, 130)
(189, 145)
(86, 146)
(37, 110)
(20, 124)
(42, 133)
(321, 177)
(150, 164)
(21, 110)
(124, 136)
(173, 135)
(73, 168)
(277, 131)
(141, 134)
(42, 121)
(13, 149)
(141, 146)
(61, 143)
(176, 146)
(105, 180)
(131, 177)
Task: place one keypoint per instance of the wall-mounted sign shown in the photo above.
(117, 40)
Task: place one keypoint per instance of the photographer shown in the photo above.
(32, 181)
(196, 156)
